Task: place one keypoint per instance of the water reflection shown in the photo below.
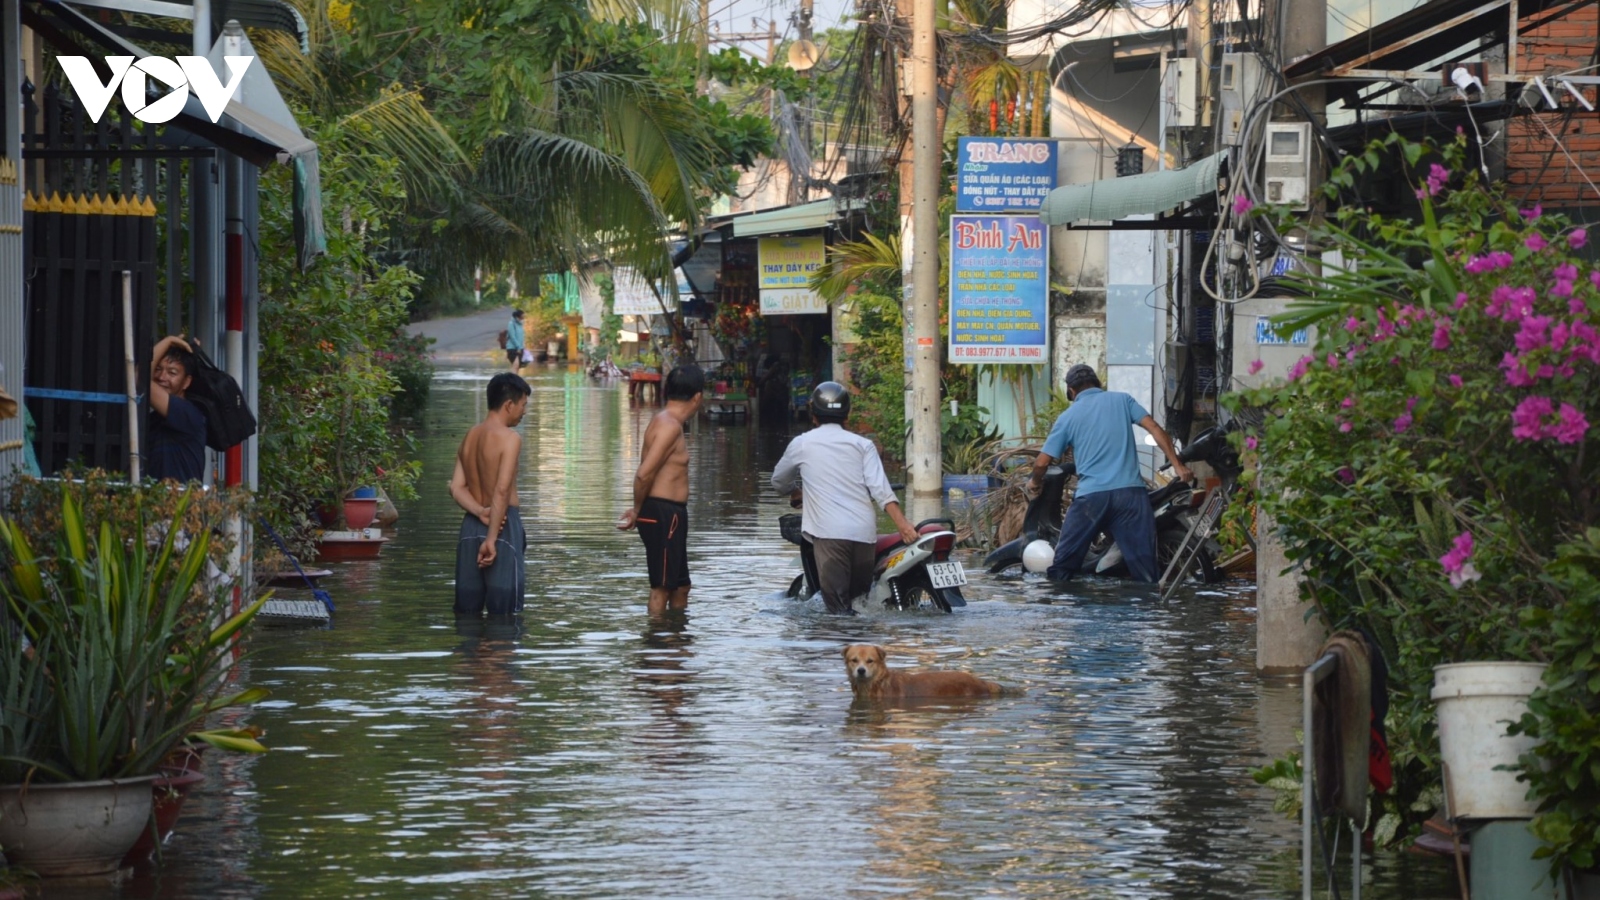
(588, 751)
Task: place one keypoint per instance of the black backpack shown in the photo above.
(229, 420)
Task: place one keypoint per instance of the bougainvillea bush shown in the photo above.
(1442, 443)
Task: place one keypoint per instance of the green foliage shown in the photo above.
(877, 369)
(1431, 452)
(1047, 415)
(126, 656)
(965, 438)
(325, 389)
(409, 362)
(1563, 770)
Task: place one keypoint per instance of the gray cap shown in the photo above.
(1081, 374)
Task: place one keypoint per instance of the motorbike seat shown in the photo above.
(885, 543)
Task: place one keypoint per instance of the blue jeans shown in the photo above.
(1126, 514)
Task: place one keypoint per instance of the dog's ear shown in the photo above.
(883, 654)
(845, 651)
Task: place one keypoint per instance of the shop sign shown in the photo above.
(1003, 175)
(791, 302)
(634, 296)
(786, 265)
(999, 289)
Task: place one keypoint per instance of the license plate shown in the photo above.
(947, 574)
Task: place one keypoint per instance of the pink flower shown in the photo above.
(1535, 333)
(1578, 238)
(1499, 259)
(1299, 368)
(1461, 300)
(1527, 419)
(1345, 474)
(1344, 427)
(1347, 402)
(1333, 360)
(1242, 205)
(1403, 423)
(1255, 366)
(1441, 335)
(1594, 278)
(1437, 176)
(1536, 212)
(1458, 562)
(1577, 307)
(1570, 429)
(1516, 373)
(1251, 442)
(1535, 242)
(1352, 324)
(1351, 353)
(1455, 381)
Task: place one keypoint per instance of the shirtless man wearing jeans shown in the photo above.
(661, 493)
(489, 576)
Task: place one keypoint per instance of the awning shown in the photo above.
(803, 217)
(259, 138)
(1111, 199)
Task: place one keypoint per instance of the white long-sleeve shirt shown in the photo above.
(843, 479)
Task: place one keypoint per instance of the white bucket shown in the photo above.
(1475, 702)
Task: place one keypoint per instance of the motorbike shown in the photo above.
(1172, 504)
(917, 576)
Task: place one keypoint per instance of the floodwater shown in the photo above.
(585, 752)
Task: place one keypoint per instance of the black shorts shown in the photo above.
(513, 356)
(664, 527)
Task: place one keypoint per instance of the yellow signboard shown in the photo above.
(789, 262)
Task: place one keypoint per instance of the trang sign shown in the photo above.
(1003, 175)
(785, 267)
(999, 297)
(183, 74)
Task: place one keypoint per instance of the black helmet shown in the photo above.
(830, 402)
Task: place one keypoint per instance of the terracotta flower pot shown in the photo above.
(360, 511)
(168, 792)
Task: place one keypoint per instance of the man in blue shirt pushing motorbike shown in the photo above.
(1111, 496)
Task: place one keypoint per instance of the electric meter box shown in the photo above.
(1178, 91)
(1286, 171)
(1240, 86)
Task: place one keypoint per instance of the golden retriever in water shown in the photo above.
(872, 679)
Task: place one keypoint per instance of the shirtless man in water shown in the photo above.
(489, 553)
(661, 492)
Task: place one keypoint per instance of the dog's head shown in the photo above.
(864, 663)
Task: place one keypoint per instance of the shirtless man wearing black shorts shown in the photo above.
(661, 492)
(489, 553)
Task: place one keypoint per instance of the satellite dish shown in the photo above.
(803, 55)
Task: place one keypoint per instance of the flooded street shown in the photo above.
(585, 753)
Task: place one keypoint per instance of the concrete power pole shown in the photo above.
(702, 80)
(922, 305)
(1287, 639)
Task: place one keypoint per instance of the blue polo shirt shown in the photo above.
(1096, 427)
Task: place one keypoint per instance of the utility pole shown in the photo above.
(922, 303)
(1287, 636)
(701, 80)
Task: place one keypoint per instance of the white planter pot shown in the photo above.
(1475, 702)
(79, 828)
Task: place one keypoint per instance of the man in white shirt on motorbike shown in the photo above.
(844, 486)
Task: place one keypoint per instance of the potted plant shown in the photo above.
(113, 653)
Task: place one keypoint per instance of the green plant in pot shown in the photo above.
(114, 650)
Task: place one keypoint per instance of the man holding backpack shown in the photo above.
(177, 445)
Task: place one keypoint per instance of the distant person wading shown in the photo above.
(516, 341)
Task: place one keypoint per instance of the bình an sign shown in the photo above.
(785, 266)
(997, 175)
(999, 289)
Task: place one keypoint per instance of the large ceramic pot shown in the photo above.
(1475, 702)
(79, 828)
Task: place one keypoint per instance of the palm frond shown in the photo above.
(852, 261)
